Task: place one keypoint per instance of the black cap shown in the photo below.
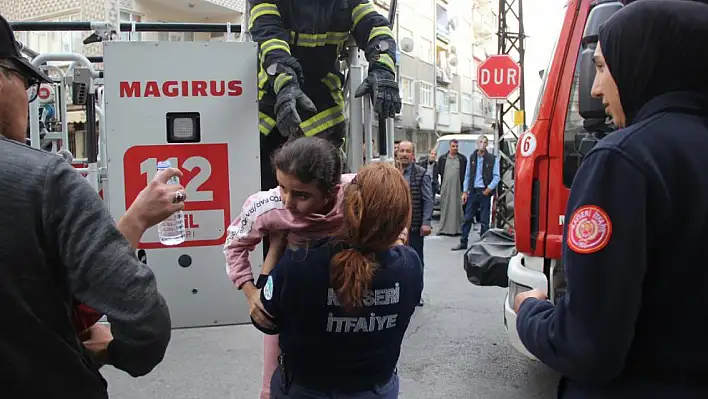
(10, 49)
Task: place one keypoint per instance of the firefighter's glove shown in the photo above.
(381, 85)
(287, 118)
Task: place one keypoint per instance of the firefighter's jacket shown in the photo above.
(315, 32)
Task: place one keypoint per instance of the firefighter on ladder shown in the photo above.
(300, 86)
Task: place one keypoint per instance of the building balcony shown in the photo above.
(443, 34)
(483, 31)
(443, 75)
(193, 10)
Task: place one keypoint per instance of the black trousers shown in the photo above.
(415, 241)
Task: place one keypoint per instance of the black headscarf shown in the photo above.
(653, 47)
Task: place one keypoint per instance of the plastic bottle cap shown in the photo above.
(164, 165)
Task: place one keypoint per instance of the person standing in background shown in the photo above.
(481, 179)
(452, 166)
(419, 181)
(430, 164)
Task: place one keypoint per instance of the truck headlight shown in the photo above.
(183, 127)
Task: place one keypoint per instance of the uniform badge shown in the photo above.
(268, 289)
(589, 230)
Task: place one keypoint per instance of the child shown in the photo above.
(305, 206)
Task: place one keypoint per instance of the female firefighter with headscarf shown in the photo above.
(632, 323)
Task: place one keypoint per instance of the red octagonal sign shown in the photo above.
(498, 76)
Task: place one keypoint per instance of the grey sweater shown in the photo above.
(59, 243)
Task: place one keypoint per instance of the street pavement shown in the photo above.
(455, 348)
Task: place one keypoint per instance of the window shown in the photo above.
(443, 22)
(407, 90)
(175, 36)
(55, 42)
(403, 32)
(441, 100)
(454, 100)
(426, 94)
(464, 67)
(466, 104)
(488, 107)
(127, 16)
(477, 105)
(426, 50)
(573, 127)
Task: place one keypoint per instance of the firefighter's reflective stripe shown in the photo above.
(273, 44)
(319, 39)
(335, 86)
(314, 125)
(386, 59)
(360, 12)
(380, 31)
(323, 120)
(262, 80)
(260, 10)
(266, 125)
(280, 81)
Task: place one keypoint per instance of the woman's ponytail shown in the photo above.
(376, 208)
(351, 273)
(351, 270)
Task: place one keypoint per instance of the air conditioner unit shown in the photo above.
(443, 75)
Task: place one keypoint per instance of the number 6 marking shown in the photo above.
(528, 144)
(149, 167)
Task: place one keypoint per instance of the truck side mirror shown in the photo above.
(589, 107)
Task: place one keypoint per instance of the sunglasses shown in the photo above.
(31, 84)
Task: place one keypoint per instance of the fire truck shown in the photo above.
(195, 104)
(567, 125)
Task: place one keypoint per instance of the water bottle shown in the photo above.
(171, 230)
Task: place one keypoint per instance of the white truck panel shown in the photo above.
(144, 81)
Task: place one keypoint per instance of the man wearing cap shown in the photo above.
(58, 244)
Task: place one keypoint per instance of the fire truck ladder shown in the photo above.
(511, 40)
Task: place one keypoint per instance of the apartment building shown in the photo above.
(113, 11)
(438, 74)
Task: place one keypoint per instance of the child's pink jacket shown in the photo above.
(264, 212)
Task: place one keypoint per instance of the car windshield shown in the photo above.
(466, 147)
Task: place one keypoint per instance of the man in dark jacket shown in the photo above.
(300, 86)
(627, 326)
(419, 181)
(59, 244)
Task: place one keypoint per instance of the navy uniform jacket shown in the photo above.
(323, 345)
(634, 320)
